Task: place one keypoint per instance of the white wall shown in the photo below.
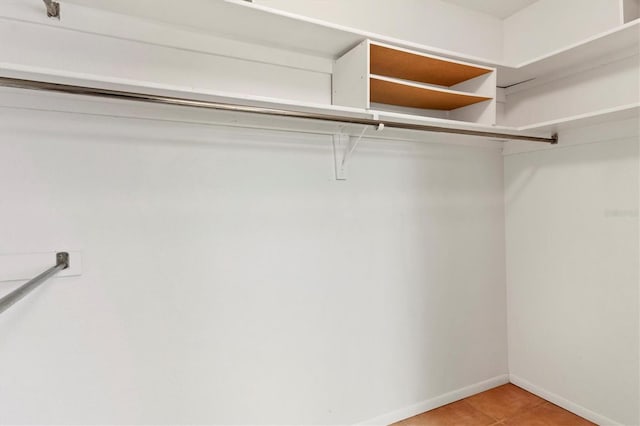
(106, 44)
(549, 25)
(251, 287)
(572, 271)
(430, 22)
(228, 278)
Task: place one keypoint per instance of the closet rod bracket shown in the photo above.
(62, 259)
(62, 262)
(53, 8)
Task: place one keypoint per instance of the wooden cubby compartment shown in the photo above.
(392, 91)
(376, 75)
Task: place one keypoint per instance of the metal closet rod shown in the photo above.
(62, 262)
(169, 100)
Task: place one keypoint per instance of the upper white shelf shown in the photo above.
(275, 27)
(622, 112)
(132, 109)
(250, 22)
(270, 27)
(612, 42)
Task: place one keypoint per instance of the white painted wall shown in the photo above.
(228, 278)
(549, 25)
(135, 49)
(572, 271)
(251, 287)
(429, 22)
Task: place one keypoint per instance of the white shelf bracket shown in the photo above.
(341, 144)
(343, 149)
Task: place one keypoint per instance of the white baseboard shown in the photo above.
(562, 402)
(438, 401)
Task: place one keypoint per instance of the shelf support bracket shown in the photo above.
(343, 148)
(62, 262)
(341, 142)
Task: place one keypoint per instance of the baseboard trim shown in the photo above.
(438, 401)
(562, 402)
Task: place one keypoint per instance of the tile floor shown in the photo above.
(506, 405)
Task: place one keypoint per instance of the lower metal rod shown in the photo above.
(170, 100)
(62, 262)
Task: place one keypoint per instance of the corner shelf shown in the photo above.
(392, 91)
(625, 38)
(622, 112)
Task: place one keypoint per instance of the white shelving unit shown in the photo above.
(272, 27)
(269, 27)
(65, 103)
(374, 72)
(328, 42)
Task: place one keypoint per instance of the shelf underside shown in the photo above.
(386, 91)
(410, 66)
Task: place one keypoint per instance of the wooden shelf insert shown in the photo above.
(391, 91)
(423, 68)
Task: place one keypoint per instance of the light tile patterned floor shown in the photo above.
(506, 405)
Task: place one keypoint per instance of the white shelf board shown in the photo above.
(148, 87)
(622, 112)
(620, 39)
(598, 127)
(543, 129)
(131, 109)
(271, 27)
(244, 21)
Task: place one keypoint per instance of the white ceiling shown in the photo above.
(498, 8)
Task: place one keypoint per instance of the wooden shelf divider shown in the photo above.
(392, 91)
